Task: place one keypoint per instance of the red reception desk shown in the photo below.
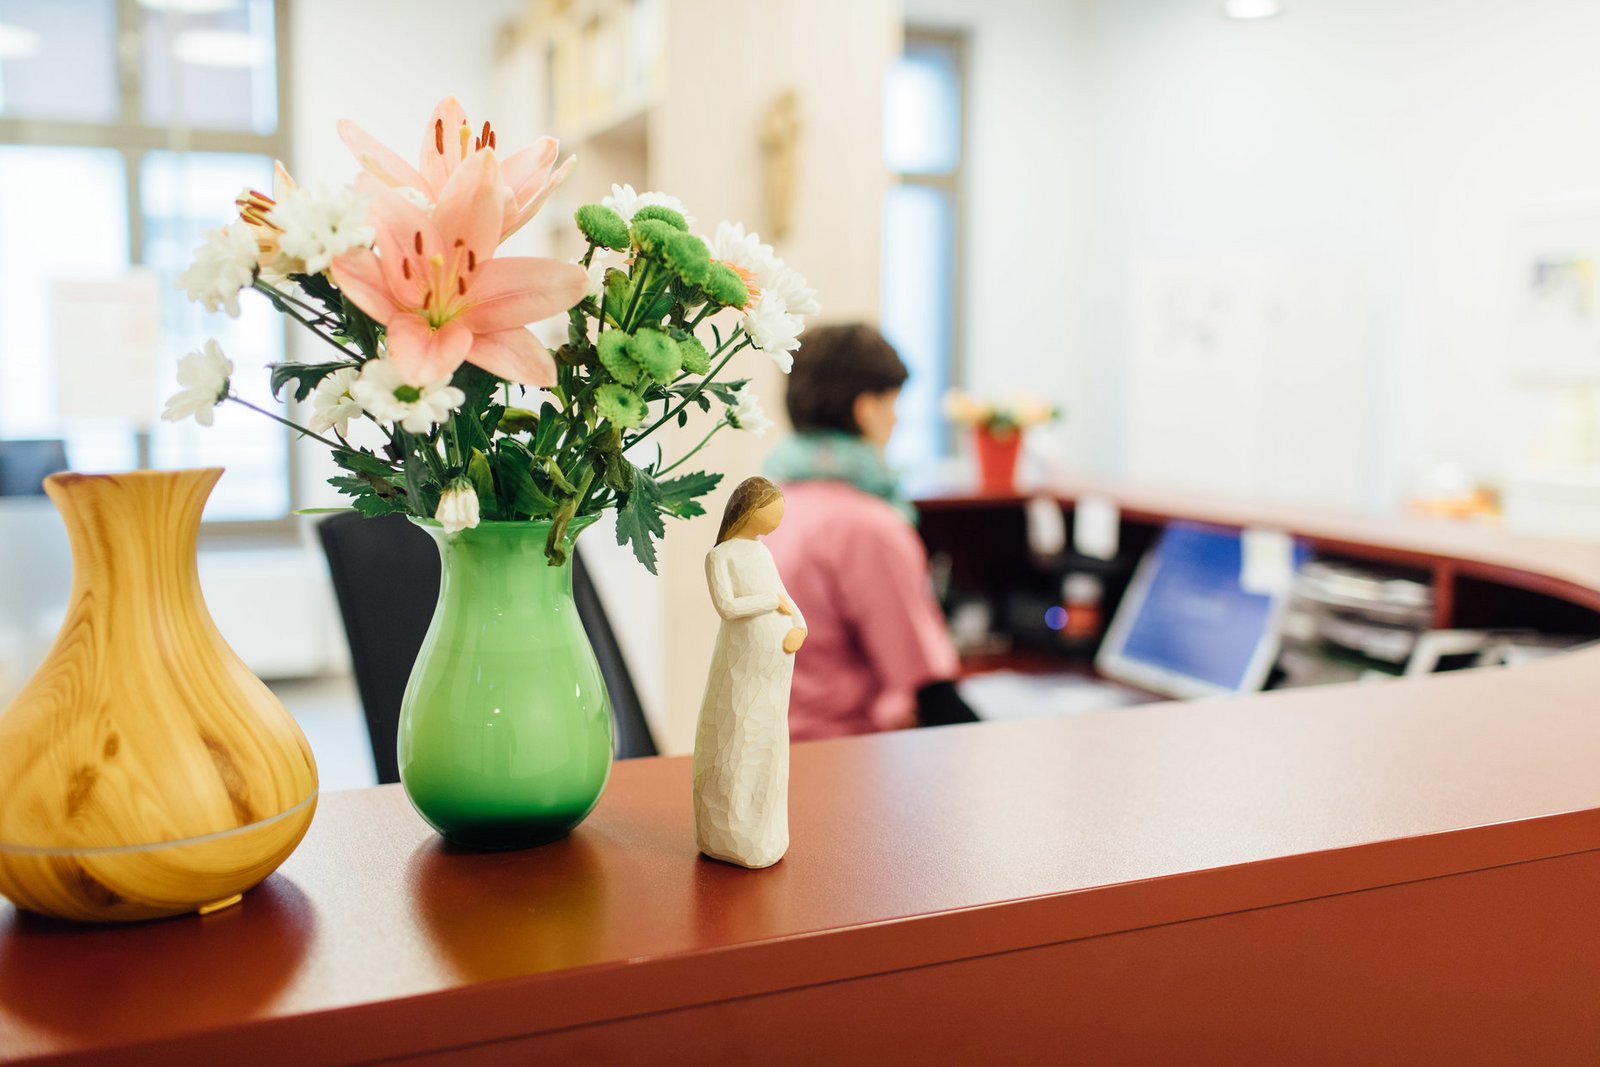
(1401, 872)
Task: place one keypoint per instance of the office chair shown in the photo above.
(24, 465)
(385, 622)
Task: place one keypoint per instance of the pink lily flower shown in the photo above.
(448, 142)
(442, 297)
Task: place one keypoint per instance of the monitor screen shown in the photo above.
(1188, 625)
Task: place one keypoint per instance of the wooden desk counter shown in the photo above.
(1406, 872)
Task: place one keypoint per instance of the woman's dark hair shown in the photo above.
(835, 365)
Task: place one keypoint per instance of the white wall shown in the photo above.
(1392, 141)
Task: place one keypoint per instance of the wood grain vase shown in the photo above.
(144, 771)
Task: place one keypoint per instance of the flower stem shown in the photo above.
(681, 460)
(310, 324)
(237, 399)
(636, 299)
(698, 389)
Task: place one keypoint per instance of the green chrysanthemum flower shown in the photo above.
(602, 226)
(696, 360)
(683, 254)
(688, 258)
(665, 214)
(616, 357)
(620, 405)
(650, 236)
(723, 286)
(656, 354)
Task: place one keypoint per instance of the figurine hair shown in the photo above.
(750, 496)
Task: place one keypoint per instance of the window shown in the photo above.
(923, 146)
(127, 127)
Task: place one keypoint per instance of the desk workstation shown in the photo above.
(1414, 860)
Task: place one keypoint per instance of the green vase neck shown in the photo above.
(502, 566)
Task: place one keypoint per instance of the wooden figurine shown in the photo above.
(741, 747)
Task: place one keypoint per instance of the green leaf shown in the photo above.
(618, 288)
(477, 383)
(363, 462)
(359, 327)
(548, 431)
(616, 473)
(518, 493)
(320, 511)
(558, 479)
(679, 496)
(639, 519)
(306, 376)
(319, 288)
(369, 494)
(483, 481)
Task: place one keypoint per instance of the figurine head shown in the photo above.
(755, 508)
(848, 381)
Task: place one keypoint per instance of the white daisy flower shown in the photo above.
(204, 376)
(773, 330)
(625, 202)
(733, 246)
(223, 265)
(318, 224)
(790, 286)
(747, 414)
(388, 397)
(458, 507)
(332, 406)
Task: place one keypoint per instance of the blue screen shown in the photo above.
(1196, 619)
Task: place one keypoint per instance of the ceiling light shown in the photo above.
(1252, 9)
(17, 42)
(221, 48)
(190, 7)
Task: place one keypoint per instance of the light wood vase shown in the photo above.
(144, 771)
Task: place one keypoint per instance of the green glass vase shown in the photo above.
(505, 726)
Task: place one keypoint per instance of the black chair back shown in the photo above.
(24, 465)
(386, 620)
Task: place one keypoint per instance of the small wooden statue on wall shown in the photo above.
(780, 151)
(741, 747)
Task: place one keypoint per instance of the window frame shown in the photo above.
(131, 137)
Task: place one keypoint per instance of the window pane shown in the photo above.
(922, 111)
(917, 300)
(44, 246)
(211, 64)
(58, 60)
(185, 194)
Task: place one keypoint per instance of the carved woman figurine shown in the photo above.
(741, 748)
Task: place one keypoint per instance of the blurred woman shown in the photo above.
(878, 656)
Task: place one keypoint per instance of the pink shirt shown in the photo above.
(858, 571)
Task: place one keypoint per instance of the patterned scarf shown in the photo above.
(831, 456)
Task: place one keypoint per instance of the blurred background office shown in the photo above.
(1337, 253)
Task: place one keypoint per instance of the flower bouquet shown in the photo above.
(438, 402)
(427, 341)
(997, 427)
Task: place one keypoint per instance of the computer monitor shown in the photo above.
(1188, 626)
(24, 465)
